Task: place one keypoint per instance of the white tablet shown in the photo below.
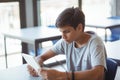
(31, 61)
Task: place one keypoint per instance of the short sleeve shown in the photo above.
(98, 52)
(58, 48)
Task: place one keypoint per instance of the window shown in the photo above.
(97, 8)
(11, 11)
(48, 10)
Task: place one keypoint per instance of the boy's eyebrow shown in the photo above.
(65, 31)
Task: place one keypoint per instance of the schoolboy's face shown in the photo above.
(69, 34)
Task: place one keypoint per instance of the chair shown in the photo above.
(115, 31)
(114, 17)
(111, 69)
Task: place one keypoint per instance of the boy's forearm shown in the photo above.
(48, 54)
(65, 76)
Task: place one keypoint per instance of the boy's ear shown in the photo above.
(80, 27)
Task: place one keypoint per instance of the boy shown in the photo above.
(85, 51)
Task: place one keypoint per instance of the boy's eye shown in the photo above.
(66, 31)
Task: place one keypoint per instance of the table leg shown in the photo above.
(36, 47)
(105, 35)
(24, 50)
(5, 48)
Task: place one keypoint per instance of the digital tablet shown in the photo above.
(31, 61)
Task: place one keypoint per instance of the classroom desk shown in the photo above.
(17, 73)
(32, 35)
(20, 73)
(113, 50)
(106, 23)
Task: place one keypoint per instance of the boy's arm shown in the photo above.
(48, 54)
(97, 73)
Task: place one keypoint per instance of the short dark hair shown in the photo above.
(71, 17)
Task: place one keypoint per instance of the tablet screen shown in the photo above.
(31, 61)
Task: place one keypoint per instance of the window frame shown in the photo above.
(22, 11)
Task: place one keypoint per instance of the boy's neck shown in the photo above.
(83, 40)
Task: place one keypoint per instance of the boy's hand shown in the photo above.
(32, 71)
(49, 74)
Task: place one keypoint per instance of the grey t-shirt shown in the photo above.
(84, 58)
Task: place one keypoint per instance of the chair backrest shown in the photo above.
(115, 32)
(111, 69)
